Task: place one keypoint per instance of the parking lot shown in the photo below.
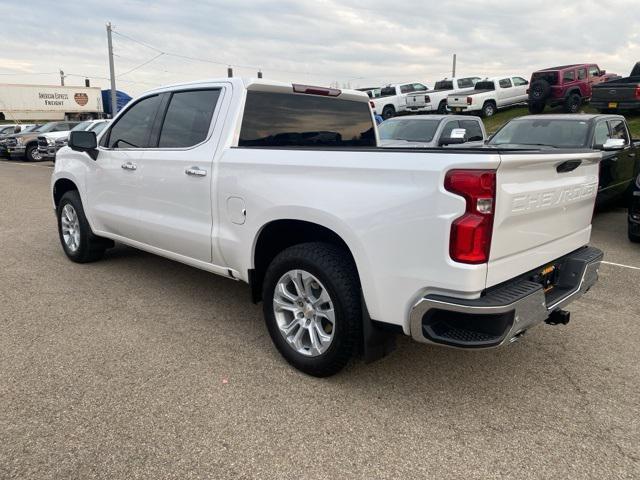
(137, 366)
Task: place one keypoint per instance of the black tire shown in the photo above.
(90, 246)
(442, 107)
(573, 103)
(388, 112)
(539, 91)
(334, 268)
(31, 153)
(634, 238)
(536, 107)
(489, 109)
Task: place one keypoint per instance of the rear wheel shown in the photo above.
(32, 154)
(312, 307)
(388, 112)
(79, 243)
(572, 103)
(488, 109)
(442, 107)
(634, 237)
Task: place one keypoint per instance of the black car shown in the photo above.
(610, 134)
(619, 94)
(634, 213)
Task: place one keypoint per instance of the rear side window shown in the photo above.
(569, 76)
(406, 88)
(582, 74)
(505, 83)
(550, 77)
(133, 128)
(298, 120)
(188, 118)
(474, 132)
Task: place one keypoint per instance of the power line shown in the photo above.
(31, 73)
(140, 66)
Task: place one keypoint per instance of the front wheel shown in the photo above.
(312, 308)
(79, 243)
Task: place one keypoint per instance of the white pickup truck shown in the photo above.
(436, 100)
(390, 100)
(490, 95)
(283, 187)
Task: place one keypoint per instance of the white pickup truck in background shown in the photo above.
(390, 100)
(490, 95)
(436, 100)
(284, 187)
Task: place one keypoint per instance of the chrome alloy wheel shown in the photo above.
(304, 313)
(70, 227)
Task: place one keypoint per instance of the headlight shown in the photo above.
(51, 141)
(19, 140)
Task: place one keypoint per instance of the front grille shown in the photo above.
(11, 142)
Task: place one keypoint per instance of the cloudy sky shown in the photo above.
(357, 43)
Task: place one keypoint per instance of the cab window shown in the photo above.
(519, 81)
(593, 71)
(619, 130)
(582, 74)
(505, 83)
(569, 76)
(133, 128)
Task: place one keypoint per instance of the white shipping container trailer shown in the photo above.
(49, 102)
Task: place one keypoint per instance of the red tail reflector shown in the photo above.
(470, 240)
(371, 104)
(469, 100)
(309, 90)
(638, 92)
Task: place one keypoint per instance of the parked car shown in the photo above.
(50, 143)
(566, 85)
(25, 145)
(436, 100)
(609, 134)
(619, 94)
(490, 95)
(284, 187)
(432, 131)
(391, 100)
(24, 128)
(634, 213)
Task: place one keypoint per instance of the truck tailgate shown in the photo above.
(544, 205)
(457, 100)
(417, 100)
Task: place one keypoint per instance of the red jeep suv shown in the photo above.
(567, 85)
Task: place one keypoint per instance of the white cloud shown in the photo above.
(360, 42)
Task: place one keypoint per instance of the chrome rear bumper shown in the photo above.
(506, 311)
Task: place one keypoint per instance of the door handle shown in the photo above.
(195, 171)
(129, 166)
(614, 159)
(632, 154)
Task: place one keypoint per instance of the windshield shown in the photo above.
(408, 130)
(547, 132)
(30, 128)
(98, 127)
(81, 126)
(5, 130)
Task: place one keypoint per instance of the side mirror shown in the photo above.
(17, 129)
(613, 144)
(456, 137)
(83, 141)
(602, 72)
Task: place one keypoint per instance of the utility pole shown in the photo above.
(61, 78)
(229, 72)
(112, 73)
(453, 75)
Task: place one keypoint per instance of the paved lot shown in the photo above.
(138, 367)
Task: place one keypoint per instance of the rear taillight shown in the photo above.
(469, 100)
(638, 92)
(427, 99)
(371, 104)
(527, 91)
(470, 240)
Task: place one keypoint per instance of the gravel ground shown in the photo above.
(139, 367)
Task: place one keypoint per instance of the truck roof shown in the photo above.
(569, 116)
(562, 67)
(261, 84)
